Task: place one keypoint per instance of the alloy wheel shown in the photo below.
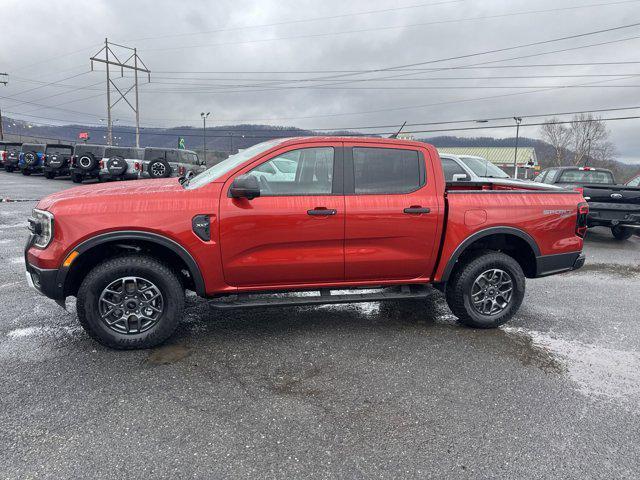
(492, 291)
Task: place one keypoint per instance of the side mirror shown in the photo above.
(203, 163)
(460, 177)
(245, 186)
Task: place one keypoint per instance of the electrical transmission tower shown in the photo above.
(133, 62)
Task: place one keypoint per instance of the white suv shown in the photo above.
(121, 163)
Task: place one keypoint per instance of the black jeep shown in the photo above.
(85, 162)
(57, 161)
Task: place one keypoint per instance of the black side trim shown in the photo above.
(485, 233)
(178, 249)
(561, 262)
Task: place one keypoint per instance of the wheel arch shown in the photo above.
(107, 245)
(510, 240)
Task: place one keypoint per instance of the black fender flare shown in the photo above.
(457, 253)
(124, 235)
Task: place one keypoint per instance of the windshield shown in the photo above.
(483, 167)
(230, 163)
(586, 176)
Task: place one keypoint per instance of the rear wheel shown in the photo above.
(49, 175)
(130, 302)
(26, 172)
(487, 290)
(9, 169)
(621, 233)
(76, 178)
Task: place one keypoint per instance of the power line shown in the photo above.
(381, 28)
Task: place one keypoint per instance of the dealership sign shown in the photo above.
(83, 135)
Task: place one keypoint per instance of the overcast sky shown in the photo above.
(247, 62)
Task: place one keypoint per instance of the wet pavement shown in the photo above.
(366, 390)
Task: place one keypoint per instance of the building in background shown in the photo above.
(502, 157)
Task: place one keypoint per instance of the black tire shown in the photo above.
(159, 168)
(9, 169)
(148, 268)
(459, 289)
(117, 166)
(76, 178)
(87, 162)
(26, 172)
(621, 233)
(49, 175)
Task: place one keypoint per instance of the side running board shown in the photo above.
(320, 297)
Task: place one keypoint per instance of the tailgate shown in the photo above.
(619, 195)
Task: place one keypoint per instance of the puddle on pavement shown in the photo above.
(621, 270)
(167, 355)
(598, 371)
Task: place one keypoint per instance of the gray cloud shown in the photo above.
(32, 45)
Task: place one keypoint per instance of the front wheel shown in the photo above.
(26, 172)
(621, 233)
(487, 290)
(130, 302)
(49, 175)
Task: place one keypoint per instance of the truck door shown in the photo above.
(293, 233)
(393, 212)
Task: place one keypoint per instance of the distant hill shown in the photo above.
(222, 140)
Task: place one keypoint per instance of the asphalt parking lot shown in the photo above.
(380, 390)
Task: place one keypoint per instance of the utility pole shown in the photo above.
(4, 81)
(131, 63)
(515, 155)
(204, 134)
(586, 161)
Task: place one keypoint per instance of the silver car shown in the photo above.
(169, 162)
(121, 163)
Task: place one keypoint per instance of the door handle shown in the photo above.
(416, 210)
(318, 211)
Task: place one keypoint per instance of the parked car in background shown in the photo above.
(85, 162)
(610, 205)
(634, 182)
(358, 213)
(9, 155)
(57, 161)
(169, 162)
(31, 158)
(121, 163)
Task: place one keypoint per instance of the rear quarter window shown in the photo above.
(121, 152)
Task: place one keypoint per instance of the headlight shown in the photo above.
(41, 226)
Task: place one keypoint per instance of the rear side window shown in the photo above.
(31, 147)
(121, 152)
(386, 170)
(586, 176)
(451, 168)
(96, 151)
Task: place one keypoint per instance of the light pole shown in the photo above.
(515, 155)
(204, 134)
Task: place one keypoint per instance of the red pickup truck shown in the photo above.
(368, 216)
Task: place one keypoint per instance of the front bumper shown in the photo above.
(45, 281)
(563, 262)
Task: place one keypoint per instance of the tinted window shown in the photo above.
(307, 171)
(451, 168)
(586, 176)
(386, 170)
(551, 175)
(61, 150)
(95, 150)
(27, 147)
(121, 152)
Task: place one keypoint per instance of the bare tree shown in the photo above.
(585, 139)
(559, 136)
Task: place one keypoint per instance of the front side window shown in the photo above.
(635, 182)
(306, 171)
(386, 170)
(450, 168)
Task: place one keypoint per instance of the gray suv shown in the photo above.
(169, 162)
(121, 163)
